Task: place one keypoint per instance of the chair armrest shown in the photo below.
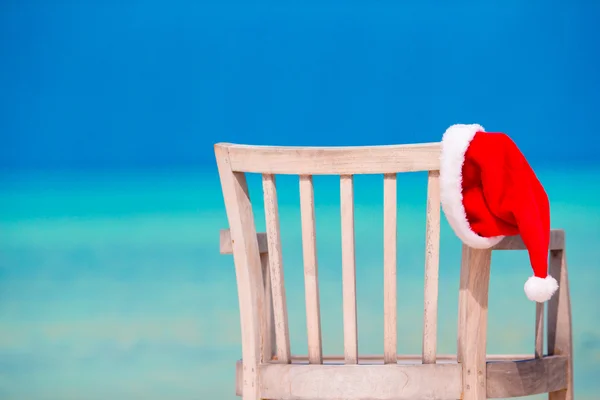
(557, 242)
(226, 247)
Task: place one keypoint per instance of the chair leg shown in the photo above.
(560, 341)
(474, 330)
(462, 302)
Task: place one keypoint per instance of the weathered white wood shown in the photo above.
(462, 300)
(539, 330)
(560, 339)
(432, 259)
(226, 245)
(509, 243)
(348, 270)
(258, 260)
(557, 242)
(247, 267)
(311, 280)
(409, 358)
(390, 302)
(360, 382)
(370, 359)
(334, 160)
(475, 332)
(280, 316)
(267, 321)
(526, 378)
(239, 377)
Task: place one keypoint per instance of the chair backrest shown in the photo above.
(234, 161)
(262, 300)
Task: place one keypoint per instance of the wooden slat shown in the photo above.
(226, 245)
(280, 316)
(475, 332)
(239, 377)
(268, 324)
(348, 270)
(557, 242)
(539, 330)
(432, 258)
(311, 280)
(360, 382)
(247, 268)
(462, 301)
(560, 339)
(334, 160)
(525, 378)
(390, 302)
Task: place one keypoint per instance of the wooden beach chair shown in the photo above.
(268, 370)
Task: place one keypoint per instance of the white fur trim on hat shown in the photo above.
(455, 143)
(540, 289)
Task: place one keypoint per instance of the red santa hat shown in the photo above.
(488, 191)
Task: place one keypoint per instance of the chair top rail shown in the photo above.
(287, 160)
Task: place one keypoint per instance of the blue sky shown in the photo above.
(132, 84)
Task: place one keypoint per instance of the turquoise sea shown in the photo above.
(112, 285)
(111, 281)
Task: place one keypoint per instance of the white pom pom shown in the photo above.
(540, 289)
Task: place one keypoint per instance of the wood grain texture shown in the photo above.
(508, 243)
(360, 382)
(475, 332)
(390, 235)
(226, 247)
(267, 321)
(557, 242)
(539, 330)
(408, 358)
(333, 160)
(470, 375)
(432, 259)
(282, 333)
(525, 378)
(377, 359)
(348, 270)
(311, 277)
(462, 301)
(560, 336)
(248, 269)
(239, 378)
